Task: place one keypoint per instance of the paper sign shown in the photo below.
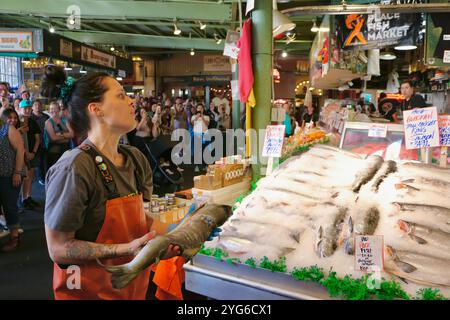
(378, 130)
(231, 49)
(446, 58)
(421, 128)
(250, 6)
(446, 37)
(444, 130)
(369, 253)
(273, 141)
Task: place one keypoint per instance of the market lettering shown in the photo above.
(10, 40)
(388, 34)
(204, 311)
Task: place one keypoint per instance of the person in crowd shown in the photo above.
(4, 89)
(12, 152)
(4, 105)
(32, 137)
(16, 103)
(212, 117)
(223, 119)
(412, 100)
(390, 112)
(40, 118)
(11, 117)
(25, 95)
(220, 99)
(287, 120)
(89, 218)
(57, 135)
(180, 116)
(311, 115)
(200, 123)
(166, 121)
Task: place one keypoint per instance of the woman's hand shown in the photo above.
(171, 252)
(136, 245)
(16, 180)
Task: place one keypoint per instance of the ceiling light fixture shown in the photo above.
(68, 67)
(314, 28)
(112, 48)
(284, 54)
(202, 26)
(406, 44)
(280, 22)
(83, 70)
(217, 38)
(71, 19)
(387, 55)
(192, 52)
(176, 31)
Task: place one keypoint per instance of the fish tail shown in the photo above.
(122, 275)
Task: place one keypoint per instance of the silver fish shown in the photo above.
(418, 267)
(239, 246)
(373, 163)
(419, 213)
(365, 223)
(386, 168)
(426, 236)
(328, 233)
(333, 150)
(189, 235)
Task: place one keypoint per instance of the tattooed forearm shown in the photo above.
(84, 250)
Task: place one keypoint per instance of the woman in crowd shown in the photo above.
(89, 217)
(223, 119)
(12, 153)
(57, 134)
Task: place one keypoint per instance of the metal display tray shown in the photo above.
(220, 280)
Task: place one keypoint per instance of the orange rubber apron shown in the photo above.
(125, 221)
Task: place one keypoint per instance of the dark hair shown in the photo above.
(7, 113)
(410, 82)
(383, 95)
(89, 88)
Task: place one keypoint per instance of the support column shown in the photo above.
(262, 51)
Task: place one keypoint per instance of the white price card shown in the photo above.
(273, 141)
(369, 253)
(421, 128)
(378, 130)
(446, 58)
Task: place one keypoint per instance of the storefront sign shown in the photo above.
(209, 79)
(98, 57)
(216, 63)
(421, 128)
(369, 253)
(16, 41)
(444, 130)
(378, 130)
(273, 141)
(370, 31)
(65, 48)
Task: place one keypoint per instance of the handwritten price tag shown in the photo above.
(378, 130)
(369, 253)
(273, 141)
(421, 128)
(444, 130)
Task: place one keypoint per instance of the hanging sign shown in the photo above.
(98, 57)
(216, 63)
(16, 41)
(65, 48)
(444, 130)
(250, 6)
(377, 130)
(231, 49)
(421, 128)
(273, 141)
(371, 31)
(369, 253)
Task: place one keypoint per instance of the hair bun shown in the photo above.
(52, 80)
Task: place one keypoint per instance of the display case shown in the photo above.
(355, 137)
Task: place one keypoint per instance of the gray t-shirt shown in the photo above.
(76, 196)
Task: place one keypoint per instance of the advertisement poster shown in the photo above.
(16, 41)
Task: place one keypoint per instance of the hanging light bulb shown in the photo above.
(217, 38)
(202, 26)
(112, 48)
(51, 28)
(176, 31)
(314, 27)
(192, 52)
(284, 54)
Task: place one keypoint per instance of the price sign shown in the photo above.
(421, 128)
(378, 130)
(273, 141)
(369, 253)
(444, 130)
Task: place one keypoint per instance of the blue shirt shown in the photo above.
(287, 123)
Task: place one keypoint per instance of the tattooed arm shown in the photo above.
(65, 249)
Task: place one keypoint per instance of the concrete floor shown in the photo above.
(26, 273)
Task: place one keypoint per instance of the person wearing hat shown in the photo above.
(31, 135)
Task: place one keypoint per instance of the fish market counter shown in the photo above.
(223, 281)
